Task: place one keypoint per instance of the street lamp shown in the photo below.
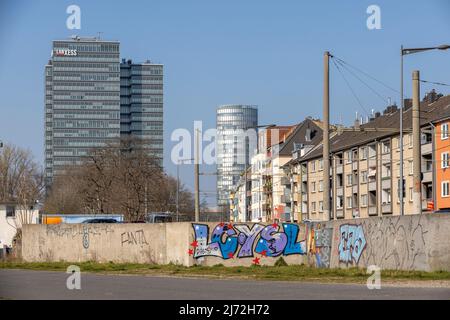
(267, 126)
(403, 52)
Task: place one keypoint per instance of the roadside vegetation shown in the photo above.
(279, 273)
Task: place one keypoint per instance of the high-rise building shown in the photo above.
(141, 103)
(92, 99)
(232, 150)
(82, 100)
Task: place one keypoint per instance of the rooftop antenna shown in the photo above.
(99, 35)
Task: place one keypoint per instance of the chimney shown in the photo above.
(357, 123)
(432, 96)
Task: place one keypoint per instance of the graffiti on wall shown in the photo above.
(319, 240)
(351, 243)
(133, 238)
(228, 241)
(399, 244)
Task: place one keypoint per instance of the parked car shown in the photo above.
(100, 220)
(159, 217)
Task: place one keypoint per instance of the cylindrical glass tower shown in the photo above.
(232, 123)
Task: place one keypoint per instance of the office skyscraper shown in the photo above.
(232, 121)
(91, 99)
(82, 100)
(141, 103)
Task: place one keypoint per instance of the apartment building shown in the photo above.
(442, 155)
(365, 166)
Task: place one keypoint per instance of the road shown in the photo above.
(26, 284)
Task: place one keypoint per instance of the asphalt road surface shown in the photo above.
(25, 284)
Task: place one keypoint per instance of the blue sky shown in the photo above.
(267, 53)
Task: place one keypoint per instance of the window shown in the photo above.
(339, 202)
(386, 147)
(313, 166)
(364, 176)
(349, 202)
(348, 156)
(321, 164)
(320, 206)
(410, 194)
(10, 211)
(313, 186)
(411, 167)
(363, 153)
(321, 185)
(445, 158)
(313, 206)
(445, 190)
(444, 131)
(364, 200)
(349, 180)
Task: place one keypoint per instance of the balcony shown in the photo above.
(427, 177)
(339, 213)
(372, 186)
(304, 197)
(304, 177)
(339, 191)
(427, 148)
(339, 169)
(354, 165)
(373, 162)
(425, 203)
(355, 188)
(373, 210)
(285, 199)
(386, 183)
(386, 208)
(285, 181)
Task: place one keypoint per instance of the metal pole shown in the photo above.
(178, 190)
(417, 192)
(196, 180)
(245, 183)
(400, 185)
(326, 138)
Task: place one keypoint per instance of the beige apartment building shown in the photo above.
(365, 166)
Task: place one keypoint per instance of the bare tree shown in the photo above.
(21, 182)
(122, 177)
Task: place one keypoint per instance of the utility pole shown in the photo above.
(196, 172)
(400, 185)
(326, 137)
(178, 190)
(246, 216)
(417, 192)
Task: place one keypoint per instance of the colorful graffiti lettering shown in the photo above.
(226, 238)
(319, 244)
(352, 243)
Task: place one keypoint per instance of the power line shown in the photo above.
(436, 83)
(350, 87)
(368, 86)
(368, 75)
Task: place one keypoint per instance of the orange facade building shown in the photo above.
(442, 156)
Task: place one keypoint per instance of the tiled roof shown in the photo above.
(433, 113)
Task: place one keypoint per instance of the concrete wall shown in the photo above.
(420, 242)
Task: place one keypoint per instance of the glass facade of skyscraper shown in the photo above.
(232, 121)
(141, 104)
(82, 100)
